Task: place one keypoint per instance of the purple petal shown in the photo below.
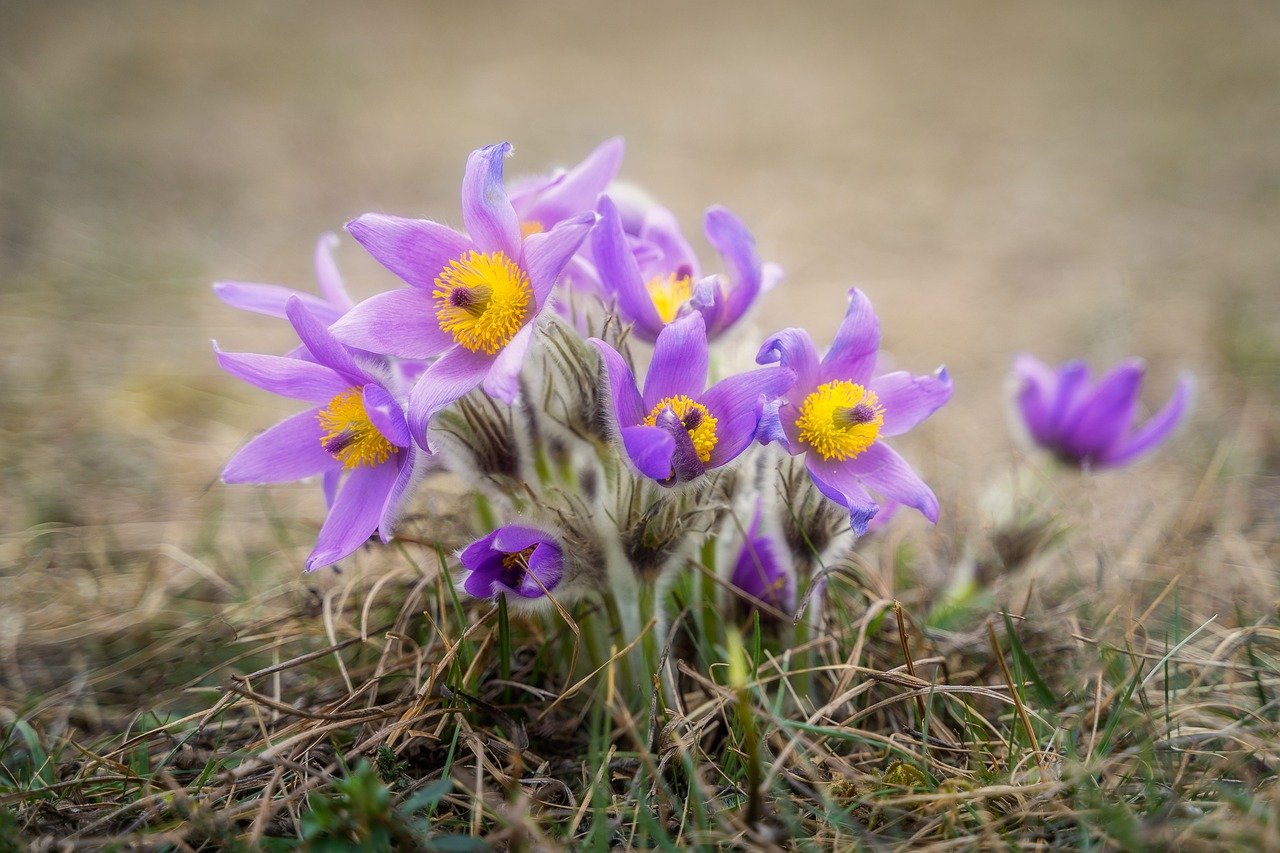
(619, 273)
(546, 254)
(1071, 391)
(622, 385)
(288, 377)
(503, 379)
(516, 537)
(400, 322)
(414, 249)
(270, 299)
(853, 352)
(475, 554)
(386, 415)
(838, 482)
(772, 429)
(335, 292)
(413, 465)
(330, 483)
(546, 567)
(793, 349)
(355, 514)
(1107, 413)
(290, 450)
(908, 400)
(576, 190)
(1037, 383)
(650, 449)
(736, 403)
(456, 373)
(731, 239)
(486, 211)
(882, 469)
(320, 342)
(661, 229)
(685, 464)
(1152, 432)
(679, 364)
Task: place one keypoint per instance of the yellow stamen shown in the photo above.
(669, 294)
(696, 420)
(529, 228)
(482, 300)
(350, 437)
(514, 566)
(840, 420)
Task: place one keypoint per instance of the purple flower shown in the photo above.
(1088, 424)
(675, 430)
(519, 561)
(763, 569)
(838, 416)
(354, 433)
(655, 278)
(543, 202)
(471, 300)
(272, 299)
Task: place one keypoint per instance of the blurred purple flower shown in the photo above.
(655, 277)
(676, 430)
(763, 568)
(838, 415)
(355, 427)
(543, 202)
(1088, 424)
(272, 299)
(472, 300)
(520, 561)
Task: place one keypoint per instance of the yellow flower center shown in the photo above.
(514, 566)
(695, 419)
(840, 420)
(482, 300)
(349, 435)
(529, 228)
(669, 294)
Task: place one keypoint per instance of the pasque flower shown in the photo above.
(472, 298)
(544, 201)
(1091, 424)
(272, 299)
(838, 416)
(675, 430)
(514, 559)
(655, 277)
(354, 434)
(763, 568)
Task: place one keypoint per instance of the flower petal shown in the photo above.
(793, 349)
(685, 463)
(679, 364)
(288, 377)
(622, 385)
(577, 189)
(516, 537)
(503, 379)
(386, 415)
(546, 254)
(1107, 413)
(1037, 383)
(908, 399)
(838, 482)
(290, 450)
(737, 404)
(1154, 430)
(619, 273)
(413, 466)
(414, 249)
(478, 552)
(650, 449)
(661, 229)
(320, 342)
(881, 468)
(270, 299)
(1069, 395)
(486, 211)
(355, 514)
(853, 352)
(400, 322)
(456, 373)
(327, 275)
(731, 239)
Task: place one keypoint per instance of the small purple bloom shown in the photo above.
(1088, 424)
(520, 561)
(763, 569)
(655, 277)
(675, 430)
(354, 434)
(838, 415)
(272, 299)
(472, 298)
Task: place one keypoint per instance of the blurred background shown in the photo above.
(1093, 180)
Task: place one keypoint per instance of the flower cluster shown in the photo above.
(509, 358)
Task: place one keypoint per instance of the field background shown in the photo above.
(1088, 180)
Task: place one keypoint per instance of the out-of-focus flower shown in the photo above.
(520, 561)
(1088, 424)
(838, 415)
(272, 299)
(763, 569)
(655, 277)
(354, 432)
(543, 202)
(472, 298)
(675, 431)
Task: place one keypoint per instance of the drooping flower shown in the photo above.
(655, 276)
(1091, 424)
(514, 559)
(675, 430)
(471, 300)
(272, 299)
(838, 416)
(354, 434)
(763, 568)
